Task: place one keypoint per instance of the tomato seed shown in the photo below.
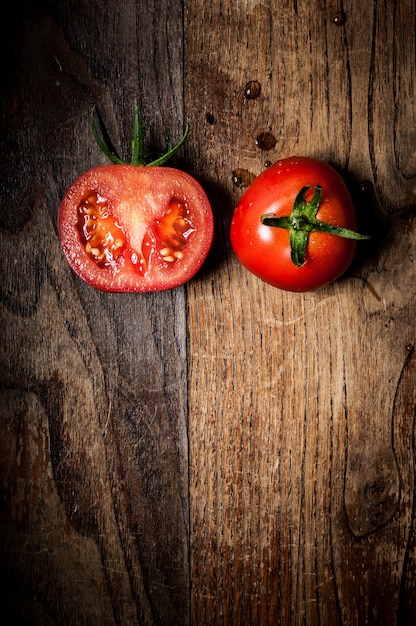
(99, 232)
(173, 230)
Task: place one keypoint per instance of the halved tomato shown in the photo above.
(135, 228)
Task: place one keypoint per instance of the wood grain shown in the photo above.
(302, 462)
(225, 453)
(94, 445)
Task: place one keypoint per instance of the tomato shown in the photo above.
(135, 228)
(294, 226)
(130, 228)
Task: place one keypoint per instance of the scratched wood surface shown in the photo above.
(224, 453)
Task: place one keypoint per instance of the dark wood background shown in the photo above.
(224, 453)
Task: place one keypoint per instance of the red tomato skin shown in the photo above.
(265, 250)
(137, 196)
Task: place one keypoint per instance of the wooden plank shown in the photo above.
(297, 411)
(301, 409)
(94, 521)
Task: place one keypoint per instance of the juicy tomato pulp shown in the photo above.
(132, 228)
(265, 250)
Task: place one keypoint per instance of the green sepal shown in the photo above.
(164, 158)
(138, 155)
(302, 221)
(137, 144)
(323, 227)
(298, 243)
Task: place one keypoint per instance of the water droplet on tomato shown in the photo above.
(266, 141)
(339, 18)
(252, 90)
(242, 177)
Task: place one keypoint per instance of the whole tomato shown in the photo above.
(135, 227)
(294, 227)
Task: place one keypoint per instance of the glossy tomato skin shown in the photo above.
(126, 228)
(265, 250)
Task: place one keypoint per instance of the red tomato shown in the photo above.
(313, 199)
(135, 228)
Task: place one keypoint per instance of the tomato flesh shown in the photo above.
(130, 228)
(265, 250)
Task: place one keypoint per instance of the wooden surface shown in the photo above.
(224, 453)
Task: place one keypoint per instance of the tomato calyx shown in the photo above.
(302, 221)
(138, 155)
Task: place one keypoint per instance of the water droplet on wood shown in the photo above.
(252, 90)
(266, 141)
(366, 187)
(339, 18)
(242, 177)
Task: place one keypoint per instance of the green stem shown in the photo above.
(302, 221)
